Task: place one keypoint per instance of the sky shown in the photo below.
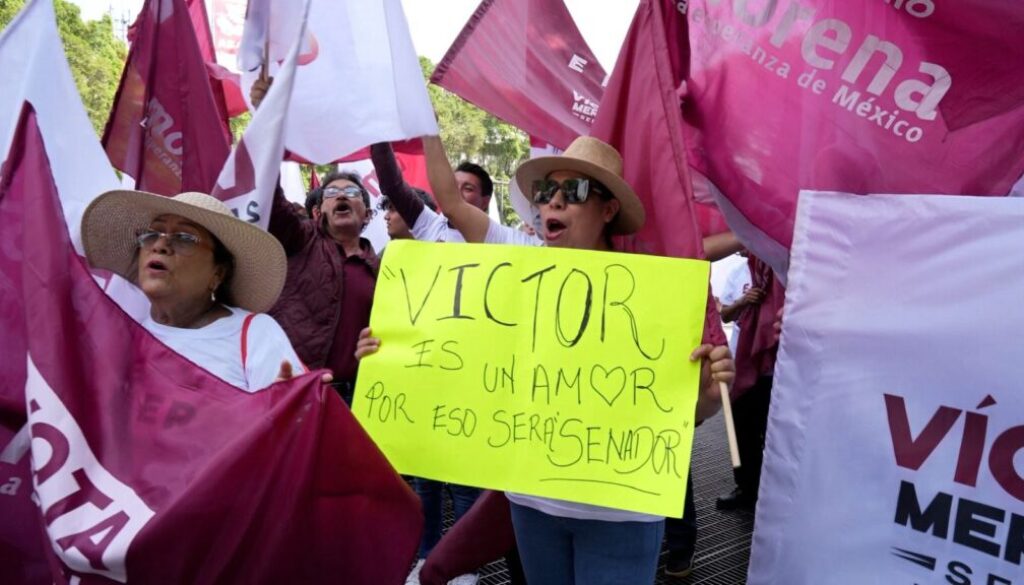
(434, 24)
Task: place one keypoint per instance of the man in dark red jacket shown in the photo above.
(332, 271)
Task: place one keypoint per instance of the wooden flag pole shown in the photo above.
(730, 427)
(265, 68)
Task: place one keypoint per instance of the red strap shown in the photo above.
(245, 337)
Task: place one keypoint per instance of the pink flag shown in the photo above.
(146, 468)
(225, 84)
(314, 180)
(921, 96)
(165, 130)
(526, 63)
(641, 116)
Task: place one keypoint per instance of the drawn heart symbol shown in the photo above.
(605, 386)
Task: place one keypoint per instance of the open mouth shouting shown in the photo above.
(156, 267)
(553, 230)
(343, 209)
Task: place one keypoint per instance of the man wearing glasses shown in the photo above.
(332, 271)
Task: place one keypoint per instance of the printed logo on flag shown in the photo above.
(583, 107)
(91, 516)
(975, 524)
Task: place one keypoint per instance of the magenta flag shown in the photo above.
(146, 468)
(641, 116)
(165, 129)
(225, 85)
(524, 61)
(915, 96)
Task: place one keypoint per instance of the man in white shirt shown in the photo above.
(427, 225)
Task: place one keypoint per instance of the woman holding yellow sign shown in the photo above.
(582, 201)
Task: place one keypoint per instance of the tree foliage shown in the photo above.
(95, 55)
(471, 134)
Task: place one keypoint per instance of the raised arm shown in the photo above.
(287, 226)
(406, 203)
(721, 246)
(470, 221)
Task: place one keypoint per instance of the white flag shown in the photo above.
(250, 175)
(34, 69)
(359, 79)
(895, 448)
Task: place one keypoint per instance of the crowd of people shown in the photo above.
(254, 307)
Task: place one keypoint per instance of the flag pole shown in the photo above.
(730, 427)
(264, 68)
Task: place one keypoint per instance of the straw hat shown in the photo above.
(112, 221)
(591, 157)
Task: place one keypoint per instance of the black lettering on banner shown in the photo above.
(539, 275)
(584, 320)
(971, 526)
(647, 385)
(408, 301)
(959, 573)
(454, 354)
(640, 448)
(503, 377)
(252, 211)
(457, 298)
(569, 384)
(487, 291)
(572, 437)
(540, 381)
(424, 349)
(1015, 541)
(388, 408)
(498, 417)
(634, 330)
(456, 422)
(934, 518)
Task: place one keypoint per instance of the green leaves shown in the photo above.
(95, 55)
(471, 134)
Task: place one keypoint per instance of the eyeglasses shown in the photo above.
(350, 191)
(574, 190)
(181, 242)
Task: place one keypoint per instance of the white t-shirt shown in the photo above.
(736, 285)
(432, 226)
(217, 348)
(500, 234)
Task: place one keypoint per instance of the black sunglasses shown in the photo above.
(575, 191)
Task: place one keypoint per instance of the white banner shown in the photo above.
(250, 175)
(895, 449)
(33, 68)
(359, 80)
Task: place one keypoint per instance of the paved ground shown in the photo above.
(723, 540)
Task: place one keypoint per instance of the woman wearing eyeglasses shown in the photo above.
(208, 277)
(581, 201)
(332, 271)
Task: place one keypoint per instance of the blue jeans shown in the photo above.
(430, 493)
(566, 551)
(681, 533)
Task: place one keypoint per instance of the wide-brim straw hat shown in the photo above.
(591, 157)
(112, 221)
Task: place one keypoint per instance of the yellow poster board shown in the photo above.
(542, 371)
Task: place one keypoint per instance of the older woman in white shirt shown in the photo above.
(208, 277)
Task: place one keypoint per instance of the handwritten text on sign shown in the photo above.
(549, 372)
